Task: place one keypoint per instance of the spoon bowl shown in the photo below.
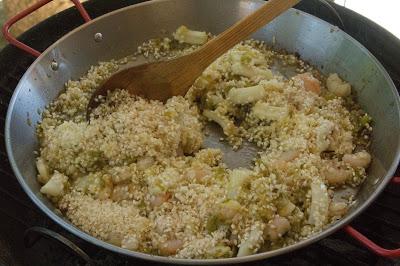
(165, 79)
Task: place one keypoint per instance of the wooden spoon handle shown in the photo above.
(242, 30)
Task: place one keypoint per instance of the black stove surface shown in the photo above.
(381, 222)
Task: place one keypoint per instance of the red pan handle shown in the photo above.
(388, 253)
(396, 180)
(7, 25)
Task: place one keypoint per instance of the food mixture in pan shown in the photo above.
(139, 177)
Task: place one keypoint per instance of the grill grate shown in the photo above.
(381, 222)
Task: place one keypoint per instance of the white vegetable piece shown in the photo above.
(160, 183)
(55, 186)
(246, 95)
(323, 131)
(215, 99)
(319, 204)
(252, 243)
(337, 86)
(219, 251)
(273, 85)
(82, 183)
(251, 71)
(285, 207)
(227, 125)
(264, 111)
(359, 159)
(43, 170)
(237, 178)
(185, 35)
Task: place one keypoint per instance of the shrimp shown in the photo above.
(160, 199)
(198, 174)
(130, 242)
(336, 175)
(277, 228)
(285, 158)
(308, 82)
(120, 192)
(337, 209)
(170, 247)
(337, 86)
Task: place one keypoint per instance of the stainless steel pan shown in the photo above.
(117, 34)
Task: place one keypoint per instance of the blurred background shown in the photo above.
(9, 8)
(383, 12)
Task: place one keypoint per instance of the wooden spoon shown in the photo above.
(162, 80)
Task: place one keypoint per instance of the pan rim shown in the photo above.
(259, 256)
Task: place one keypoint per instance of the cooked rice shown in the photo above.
(137, 175)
